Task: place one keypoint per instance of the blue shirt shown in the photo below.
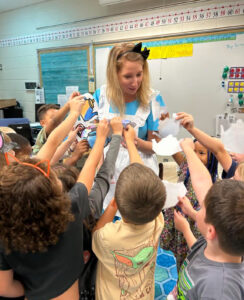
(231, 172)
(131, 108)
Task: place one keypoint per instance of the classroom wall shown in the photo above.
(20, 63)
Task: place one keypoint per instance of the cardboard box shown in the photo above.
(7, 102)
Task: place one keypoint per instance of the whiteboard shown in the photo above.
(191, 84)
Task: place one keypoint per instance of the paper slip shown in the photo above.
(173, 191)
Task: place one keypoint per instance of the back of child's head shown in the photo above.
(224, 204)
(5, 129)
(43, 109)
(23, 145)
(140, 194)
(67, 174)
(34, 211)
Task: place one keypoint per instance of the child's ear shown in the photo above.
(211, 232)
(42, 122)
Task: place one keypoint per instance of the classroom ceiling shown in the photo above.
(6, 5)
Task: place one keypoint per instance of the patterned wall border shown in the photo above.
(149, 21)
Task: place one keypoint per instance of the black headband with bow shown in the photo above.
(137, 49)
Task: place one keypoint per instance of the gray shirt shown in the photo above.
(204, 279)
(103, 177)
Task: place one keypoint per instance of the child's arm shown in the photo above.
(64, 147)
(200, 177)
(106, 171)
(9, 287)
(129, 134)
(60, 132)
(80, 148)
(108, 215)
(186, 207)
(61, 113)
(178, 158)
(145, 146)
(88, 171)
(212, 144)
(182, 225)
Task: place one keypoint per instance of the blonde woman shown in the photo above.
(128, 94)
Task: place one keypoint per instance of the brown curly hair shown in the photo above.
(33, 209)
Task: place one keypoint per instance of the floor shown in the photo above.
(165, 274)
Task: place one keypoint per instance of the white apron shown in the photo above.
(150, 160)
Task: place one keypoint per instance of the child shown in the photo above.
(50, 117)
(41, 227)
(126, 250)
(68, 175)
(214, 268)
(23, 145)
(212, 144)
(171, 239)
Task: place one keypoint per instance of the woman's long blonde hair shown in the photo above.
(114, 91)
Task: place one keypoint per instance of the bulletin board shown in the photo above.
(187, 70)
(63, 67)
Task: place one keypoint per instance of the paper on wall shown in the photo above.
(62, 99)
(233, 137)
(39, 95)
(70, 90)
(167, 146)
(173, 191)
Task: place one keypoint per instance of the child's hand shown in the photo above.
(76, 104)
(73, 95)
(187, 143)
(185, 205)
(237, 156)
(181, 223)
(117, 126)
(164, 116)
(72, 135)
(80, 148)
(129, 134)
(102, 129)
(187, 120)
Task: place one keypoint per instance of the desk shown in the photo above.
(7, 102)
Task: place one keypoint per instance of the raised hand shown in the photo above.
(187, 120)
(187, 143)
(181, 223)
(129, 134)
(117, 126)
(102, 129)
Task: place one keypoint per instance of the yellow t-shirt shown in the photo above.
(126, 259)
